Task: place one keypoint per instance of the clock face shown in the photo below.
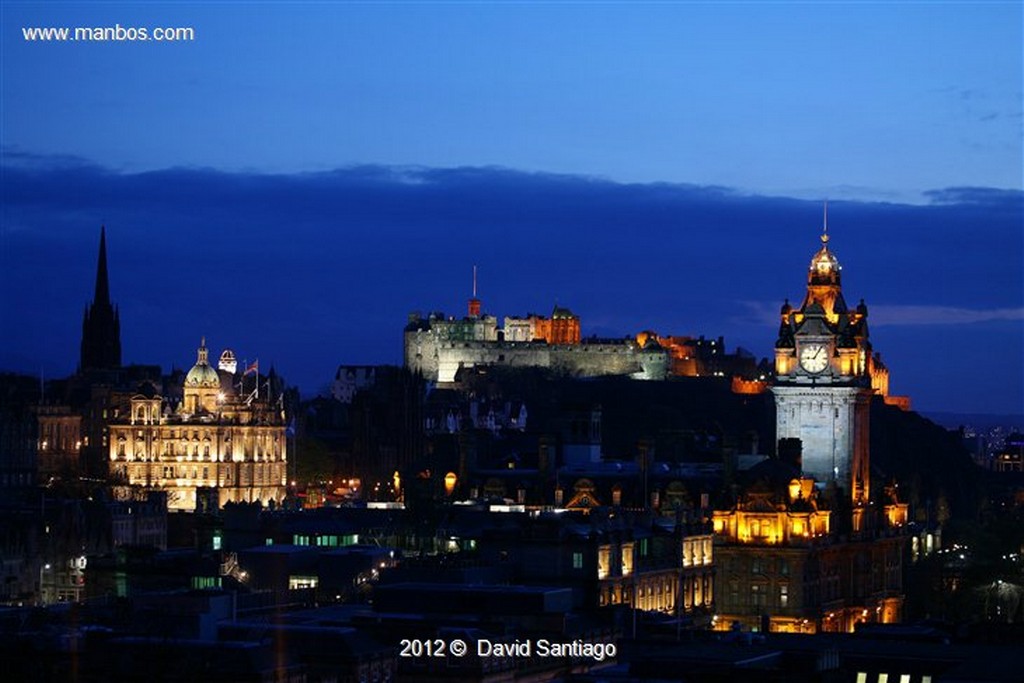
(813, 357)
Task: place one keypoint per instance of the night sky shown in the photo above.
(303, 175)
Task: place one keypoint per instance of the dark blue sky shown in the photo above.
(307, 271)
(302, 175)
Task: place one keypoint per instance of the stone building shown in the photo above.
(787, 562)
(807, 545)
(227, 434)
(439, 347)
(60, 439)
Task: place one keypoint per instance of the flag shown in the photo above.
(290, 430)
(255, 367)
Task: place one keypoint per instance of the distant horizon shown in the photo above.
(311, 271)
(292, 181)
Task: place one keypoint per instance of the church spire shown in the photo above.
(101, 327)
(102, 284)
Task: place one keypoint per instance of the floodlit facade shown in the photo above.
(227, 435)
(807, 546)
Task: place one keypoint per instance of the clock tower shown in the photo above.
(822, 380)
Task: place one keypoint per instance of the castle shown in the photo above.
(439, 347)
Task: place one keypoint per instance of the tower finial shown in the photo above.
(474, 303)
(101, 327)
(102, 294)
(824, 227)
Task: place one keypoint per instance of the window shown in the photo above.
(205, 582)
(577, 560)
(758, 595)
(296, 582)
(783, 596)
(784, 567)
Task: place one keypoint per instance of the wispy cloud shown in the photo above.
(320, 268)
(763, 313)
(940, 315)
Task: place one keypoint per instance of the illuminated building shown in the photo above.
(439, 347)
(60, 439)
(783, 566)
(226, 435)
(804, 547)
(824, 370)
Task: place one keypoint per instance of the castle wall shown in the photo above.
(451, 356)
(438, 347)
(594, 360)
(577, 360)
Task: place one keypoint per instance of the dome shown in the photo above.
(202, 374)
(825, 266)
(562, 313)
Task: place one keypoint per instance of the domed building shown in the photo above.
(224, 441)
(202, 384)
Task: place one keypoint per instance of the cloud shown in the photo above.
(320, 268)
(763, 313)
(984, 196)
(940, 315)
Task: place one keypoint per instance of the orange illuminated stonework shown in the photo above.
(807, 545)
(563, 328)
(749, 387)
(783, 567)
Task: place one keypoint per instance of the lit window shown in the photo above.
(577, 560)
(757, 595)
(297, 582)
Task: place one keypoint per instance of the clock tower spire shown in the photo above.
(822, 383)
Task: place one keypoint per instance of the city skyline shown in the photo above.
(661, 167)
(306, 300)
